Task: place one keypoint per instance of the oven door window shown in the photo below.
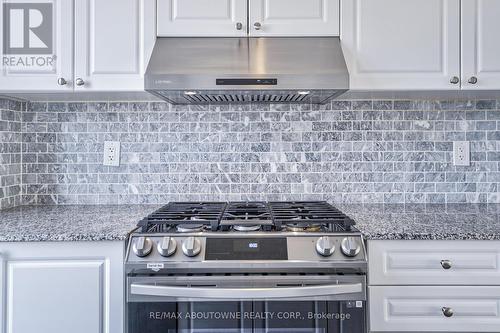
(189, 317)
(247, 317)
(310, 317)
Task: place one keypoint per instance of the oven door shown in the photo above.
(247, 303)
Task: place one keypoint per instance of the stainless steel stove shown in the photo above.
(245, 260)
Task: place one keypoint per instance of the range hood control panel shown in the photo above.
(246, 82)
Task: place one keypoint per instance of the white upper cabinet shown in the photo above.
(38, 51)
(202, 18)
(233, 18)
(481, 44)
(294, 17)
(83, 45)
(113, 41)
(395, 45)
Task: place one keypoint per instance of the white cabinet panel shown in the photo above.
(420, 309)
(420, 262)
(56, 296)
(40, 48)
(294, 17)
(202, 18)
(481, 44)
(113, 41)
(395, 45)
(61, 287)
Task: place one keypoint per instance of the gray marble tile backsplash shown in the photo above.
(10, 153)
(359, 151)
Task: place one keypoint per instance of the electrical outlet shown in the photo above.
(111, 153)
(461, 153)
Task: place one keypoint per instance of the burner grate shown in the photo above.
(242, 216)
(310, 212)
(247, 216)
(183, 213)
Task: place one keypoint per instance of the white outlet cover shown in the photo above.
(111, 155)
(461, 153)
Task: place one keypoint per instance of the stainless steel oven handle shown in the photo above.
(244, 293)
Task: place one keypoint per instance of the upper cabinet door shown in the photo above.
(36, 45)
(402, 45)
(113, 42)
(227, 18)
(294, 17)
(480, 44)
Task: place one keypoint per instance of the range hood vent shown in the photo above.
(247, 70)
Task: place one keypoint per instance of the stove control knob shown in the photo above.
(167, 246)
(142, 246)
(191, 247)
(350, 246)
(325, 246)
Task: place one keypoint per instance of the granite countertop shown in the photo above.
(426, 222)
(71, 223)
(375, 221)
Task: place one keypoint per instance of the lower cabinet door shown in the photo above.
(434, 309)
(61, 287)
(54, 296)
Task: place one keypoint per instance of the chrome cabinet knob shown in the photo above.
(350, 247)
(447, 312)
(142, 246)
(62, 82)
(239, 26)
(325, 246)
(257, 26)
(167, 246)
(446, 264)
(473, 80)
(191, 247)
(455, 80)
(79, 82)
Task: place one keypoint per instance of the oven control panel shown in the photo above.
(198, 248)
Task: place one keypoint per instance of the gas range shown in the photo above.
(239, 234)
(237, 261)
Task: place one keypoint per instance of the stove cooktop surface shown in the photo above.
(250, 216)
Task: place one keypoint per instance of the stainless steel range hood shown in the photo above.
(247, 70)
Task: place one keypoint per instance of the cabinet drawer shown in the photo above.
(434, 262)
(420, 309)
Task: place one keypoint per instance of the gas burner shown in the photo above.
(196, 218)
(245, 215)
(185, 228)
(246, 228)
(303, 226)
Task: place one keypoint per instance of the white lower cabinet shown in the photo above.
(434, 262)
(434, 309)
(60, 287)
(434, 286)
